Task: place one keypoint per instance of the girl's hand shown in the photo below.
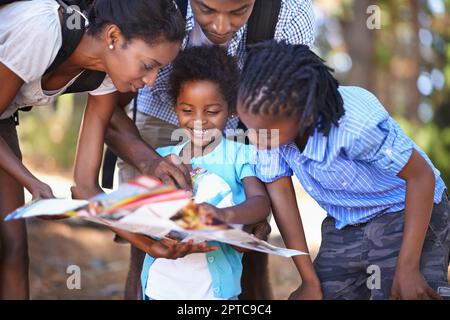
(172, 249)
(208, 213)
(261, 230)
(40, 190)
(307, 291)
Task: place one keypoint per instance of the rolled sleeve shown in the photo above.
(384, 144)
(271, 166)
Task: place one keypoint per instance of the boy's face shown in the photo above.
(202, 111)
(266, 132)
(221, 19)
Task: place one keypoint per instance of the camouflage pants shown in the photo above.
(350, 260)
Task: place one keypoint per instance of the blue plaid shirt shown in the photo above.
(352, 173)
(295, 25)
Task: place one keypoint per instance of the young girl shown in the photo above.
(204, 86)
(388, 212)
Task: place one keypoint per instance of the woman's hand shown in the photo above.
(84, 192)
(40, 190)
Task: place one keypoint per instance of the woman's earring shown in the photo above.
(111, 46)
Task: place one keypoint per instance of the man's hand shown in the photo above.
(170, 170)
(261, 230)
(411, 285)
(307, 291)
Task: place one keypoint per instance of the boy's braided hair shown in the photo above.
(290, 81)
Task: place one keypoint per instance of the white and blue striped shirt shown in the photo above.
(295, 26)
(352, 172)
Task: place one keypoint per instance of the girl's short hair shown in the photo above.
(206, 63)
(149, 20)
(290, 80)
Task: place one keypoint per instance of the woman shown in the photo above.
(128, 40)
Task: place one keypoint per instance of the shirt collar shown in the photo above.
(315, 147)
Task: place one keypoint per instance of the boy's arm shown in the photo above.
(254, 209)
(420, 183)
(287, 217)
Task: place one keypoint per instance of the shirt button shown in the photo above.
(309, 188)
(216, 290)
(210, 259)
(344, 184)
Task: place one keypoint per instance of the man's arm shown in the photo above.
(124, 139)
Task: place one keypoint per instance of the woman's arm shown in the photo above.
(97, 115)
(420, 183)
(10, 86)
(289, 222)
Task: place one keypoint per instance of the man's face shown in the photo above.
(221, 19)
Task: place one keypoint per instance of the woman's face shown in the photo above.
(134, 64)
(221, 19)
(201, 111)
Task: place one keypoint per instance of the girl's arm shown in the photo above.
(10, 86)
(289, 222)
(420, 183)
(254, 209)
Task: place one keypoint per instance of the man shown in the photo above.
(209, 22)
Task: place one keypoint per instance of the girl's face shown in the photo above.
(266, 132)
(202, 111)
(134, 64)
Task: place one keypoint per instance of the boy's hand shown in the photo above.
(261, 230)
(307, 291)
(411, 285)
(171, 249)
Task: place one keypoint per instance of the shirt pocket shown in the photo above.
(340, 175)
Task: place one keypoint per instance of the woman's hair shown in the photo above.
(206, 63)
(290, 80)
(148, 20)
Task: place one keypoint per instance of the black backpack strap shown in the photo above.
(89, 80)
(263, 21)
(182, 6)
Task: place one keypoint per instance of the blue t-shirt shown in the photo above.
(232, 162)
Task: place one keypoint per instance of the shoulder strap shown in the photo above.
(263, 21)
(71, 37)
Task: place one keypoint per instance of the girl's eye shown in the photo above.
(212, 112)
(240, 12)
(186, 110)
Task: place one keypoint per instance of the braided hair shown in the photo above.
(290, 81)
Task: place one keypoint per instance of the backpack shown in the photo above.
(261, 26)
